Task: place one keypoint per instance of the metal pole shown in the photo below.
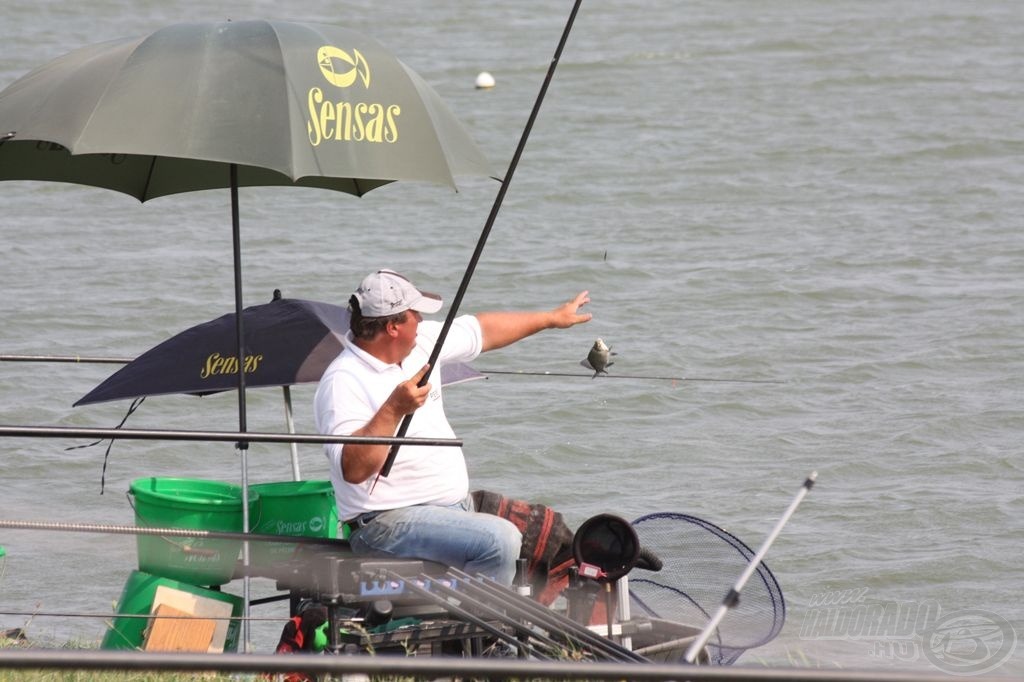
(63, 358)
(243, 446)
(622, 592)
(397, 667)
(291, 429)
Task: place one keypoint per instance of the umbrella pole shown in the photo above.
(291, 429)
(243, 446)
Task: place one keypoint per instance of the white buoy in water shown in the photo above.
(484, 80)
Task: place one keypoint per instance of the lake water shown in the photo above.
(824, 193)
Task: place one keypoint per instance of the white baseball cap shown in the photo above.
(386, 292)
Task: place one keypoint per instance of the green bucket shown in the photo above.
(291, 508)
(138, 597)
(189, 503)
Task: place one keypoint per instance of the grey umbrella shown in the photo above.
(286, 103)
(221, 105)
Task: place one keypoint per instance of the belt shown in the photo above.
(354, 524)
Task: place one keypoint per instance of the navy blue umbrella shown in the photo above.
(287, 341)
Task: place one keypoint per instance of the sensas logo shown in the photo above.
(217, 364)
(348, 120)
(351, 66)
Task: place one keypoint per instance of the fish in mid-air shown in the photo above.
(598, 359)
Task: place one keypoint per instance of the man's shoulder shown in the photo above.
(340, 365)
(462, 342)
(432, 328)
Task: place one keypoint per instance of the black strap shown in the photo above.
(106, 456)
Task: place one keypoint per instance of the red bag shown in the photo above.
(547, 541)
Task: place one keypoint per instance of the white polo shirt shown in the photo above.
(352, 390)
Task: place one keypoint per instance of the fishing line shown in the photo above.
(456, 302)
(628, 376)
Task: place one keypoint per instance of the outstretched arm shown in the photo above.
(502, 328)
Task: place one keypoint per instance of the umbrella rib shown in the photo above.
(292, 174)
(441, 149)
(129, 46)
(149, 178)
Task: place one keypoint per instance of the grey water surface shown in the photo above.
(826, 193)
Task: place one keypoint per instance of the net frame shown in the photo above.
(700, 563)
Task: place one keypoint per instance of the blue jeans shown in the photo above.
(454, 536)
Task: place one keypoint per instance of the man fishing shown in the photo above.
(422, 509)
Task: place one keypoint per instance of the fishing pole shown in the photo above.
(628, 376)
(63, 358)
(733, 596)
(111, 529)
(140, 616)
(464, 285)
(212, 436)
